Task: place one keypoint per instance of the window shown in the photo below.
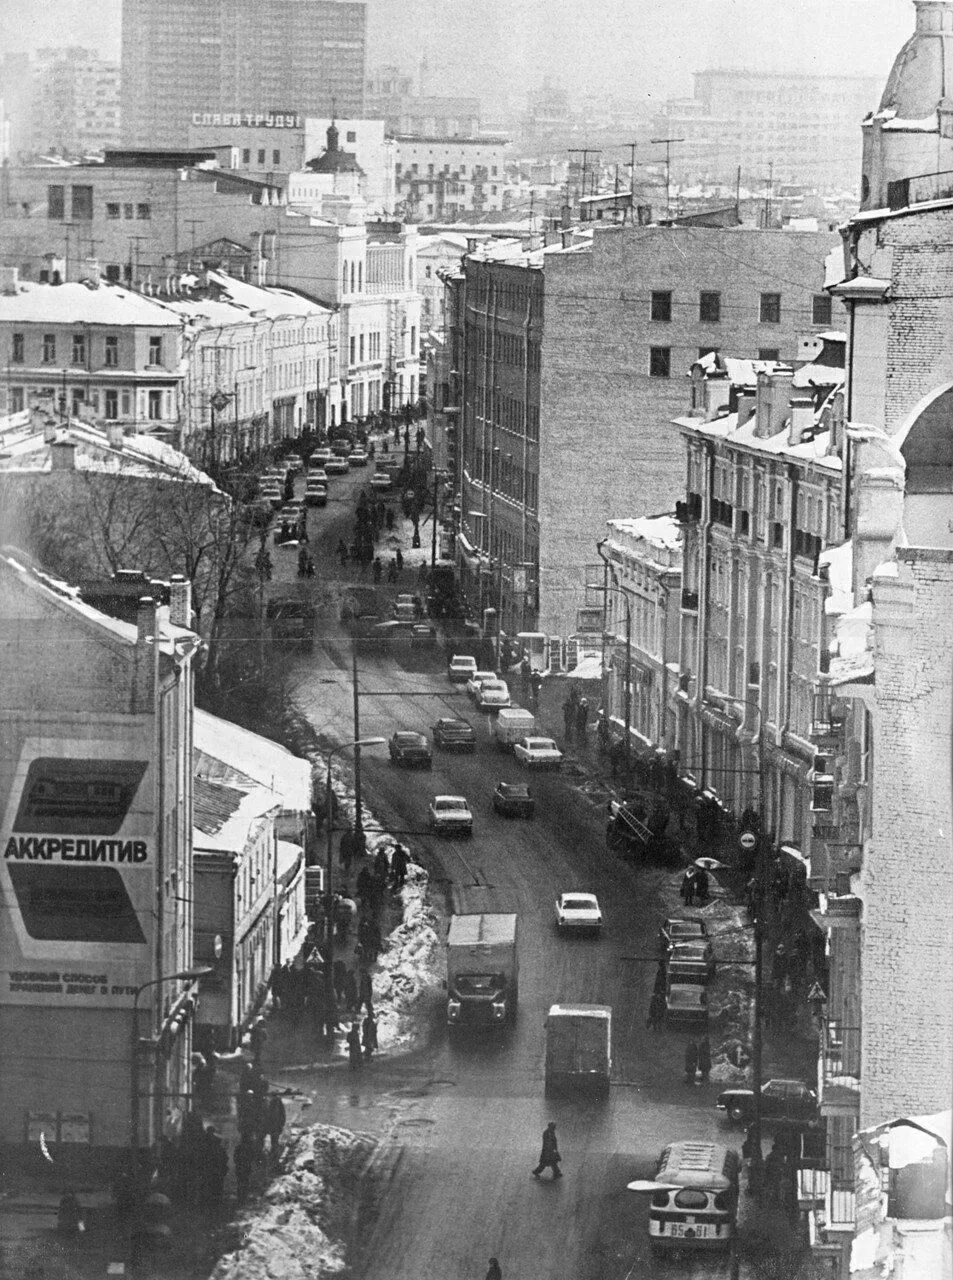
(155, 406)
(113, 210)
(18, 403)
(660, 362)
(661, 305)
(78, 352)
(246, 155)
(155, 349)
(709, 307)
(111, 405)
(82, 203)
(111, 352)
(351, 136)
(49, 348)
(56, 203)
(16, 352)
(771, 308)
(261, 155)
(822, 308)
(769, 353)
(413, 339)
(276, 157)
(143, 212)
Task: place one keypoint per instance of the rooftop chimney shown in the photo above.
(145, 619)
(147, 650)
(9, 281)
(91, 273)
(115, 434)
(180, 601)
(63, 455)
(801, 426)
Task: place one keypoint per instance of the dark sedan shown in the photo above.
(782, 1101)
(451, 734)
(411, 749)
(513, 800)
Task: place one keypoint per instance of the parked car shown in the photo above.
(782, 1101)
(319, 458)
(406, 612)
(460, 668)
(336, 466)
(450, 815)
(477, 679)
(578, 913)
(513, 800)
(341, 447)
(380, 481)
(680, 929)
(357, 458)
(538, 753)
(691, 962)
(451, 734)
(272, 495)
(493, 695)
(317, 474)
(423, 636)
(686, 1002)
(410, 748)
(315, 494)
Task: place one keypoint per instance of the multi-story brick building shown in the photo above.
(180, 59)
(625, 321)
(97, 870)
(440, 179)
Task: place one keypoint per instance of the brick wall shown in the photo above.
(608, 449)
(907, 882)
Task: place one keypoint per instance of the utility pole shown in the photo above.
(358, 824)
(135, 242)
(768, 195)
(585, 152)
(631, 146)
(192, 223)
(668, 143)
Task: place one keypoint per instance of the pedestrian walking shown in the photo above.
(536, 683)
(582, 720)
(339, 978)
(365, 990)
(354, 1046)
(399, 863)
(701, 884)
(257, 1037)
(214, 1166)
(351, 1002)
(276, 1122)
(392, 571)
(656, 1011)
(493, 1271)
(661, 979)
(369, 1034)
(691, 1061)
(381, 865)
(346, 850)
(687, 887)
(549, 1157)
(704, 1059)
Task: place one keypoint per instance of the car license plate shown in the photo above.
(701, 1231)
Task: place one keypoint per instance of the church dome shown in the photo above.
(922, 72)
(334, 160)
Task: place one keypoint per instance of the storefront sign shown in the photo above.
(75, 849)
(248, 119)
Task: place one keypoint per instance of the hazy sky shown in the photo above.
(633, 48)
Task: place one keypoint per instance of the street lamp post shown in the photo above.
(759, 896)
(329, 801)
(184, 975)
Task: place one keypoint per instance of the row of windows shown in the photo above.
(142, 212)
(80, 349)
(508, 477)
(660, 358)
(115, 402)
(709, 307)
(262, 154)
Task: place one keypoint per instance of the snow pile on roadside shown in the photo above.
(730, 992)
(409, 965)
(298, 1230)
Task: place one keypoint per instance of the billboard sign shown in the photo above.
(78, 870)
(247, 119)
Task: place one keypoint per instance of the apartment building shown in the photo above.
(59, 101)
(181, 60)
(440, 179)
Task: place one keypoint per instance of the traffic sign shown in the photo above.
(747, 839)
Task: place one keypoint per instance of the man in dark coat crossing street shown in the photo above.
(549, 1157)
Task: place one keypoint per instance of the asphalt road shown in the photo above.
(465, 1116)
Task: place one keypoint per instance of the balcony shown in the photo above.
(838, 1069)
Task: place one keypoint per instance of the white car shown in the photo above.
(578, 912)
(293, 462)
(381, 481)
(538, 753)
(450, 814)
(460, 668)
(317, 474)
(318, 459)
(477, 679)
(493, 695)
(336, 466)
(357, 458)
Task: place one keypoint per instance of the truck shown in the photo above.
(513, 723)
(482, 969)
(292, 619)
(578, 1049)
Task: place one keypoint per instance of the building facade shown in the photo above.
(439, 179)
(59, 101)
(625, 320)
(180, 60)
(97, 870)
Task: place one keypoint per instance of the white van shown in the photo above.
(513, 723)
(695, 1204)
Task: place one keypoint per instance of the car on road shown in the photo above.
(389, 629)
(782, 1102)
(341, 447)
(513, 800)
(380, 481)
(538, 753)
(452, 734)
(406, 612)
(450, 815)
(460, 668)
(410, 748)
(686, 1002)
(336, 466)
(315, 494)
(293, 462)
(271, 494)
(357, 458)
(578, 913)
(691, 962)
(680, 929)
(317, 475)
(423, 636)
(493, 695)
(477, 679)
(318, 459)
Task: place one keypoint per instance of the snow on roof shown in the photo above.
(727, 429)
(226, 752)
(660, 531)
(25, 448)
(587, 668)
(741, 372)
(853, 660)
(106, 304)
(225, 816)
(818, 375)
(274, 301)
(840, 562)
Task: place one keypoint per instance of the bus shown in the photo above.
(695, 1200)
